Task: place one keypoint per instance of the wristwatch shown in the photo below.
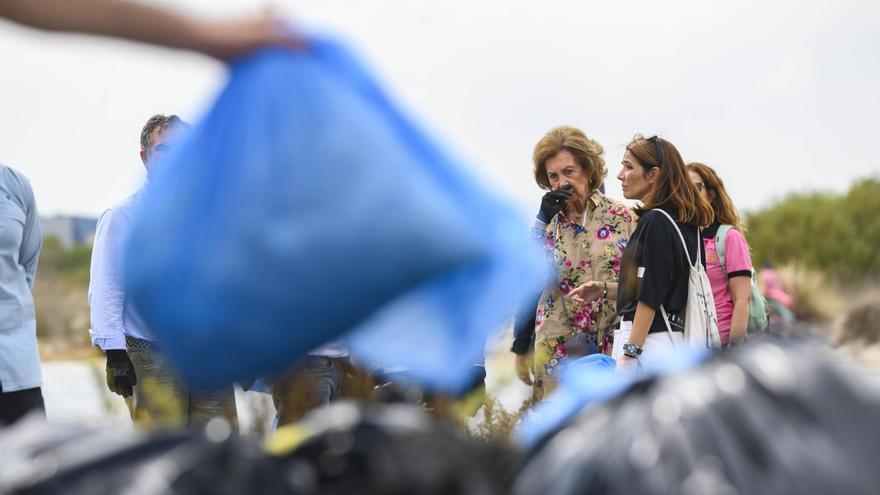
(632, 350)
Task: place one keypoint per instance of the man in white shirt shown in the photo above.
(135, 364)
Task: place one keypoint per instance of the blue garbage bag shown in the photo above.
(589, 381)
(305, 205)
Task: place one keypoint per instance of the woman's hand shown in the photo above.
(627, 364)
(589, 292)
(553, 202)
(525, 368)
(738, 335)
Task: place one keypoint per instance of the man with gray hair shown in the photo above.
(135, 364)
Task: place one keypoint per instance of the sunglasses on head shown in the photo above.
(657, 149)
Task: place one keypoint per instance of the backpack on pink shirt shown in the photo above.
(758, 320)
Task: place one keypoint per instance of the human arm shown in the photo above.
(32, 238)
(741, 293)
(107, 301)
(648, 273)
(134, 21)
(592, 290)
(106, 287)
(523, 342)
(525, 367)
(738, 267)
(642, 321)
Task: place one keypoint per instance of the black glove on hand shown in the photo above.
(553, 202)
(121, 377)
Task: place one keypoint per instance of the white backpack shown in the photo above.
(700, 320)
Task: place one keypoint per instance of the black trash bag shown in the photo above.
(774, 417)
(348, 448)
(393, 449)
(72, 460)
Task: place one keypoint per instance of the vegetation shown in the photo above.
(61, 296)
(837, 234)
(821, 241)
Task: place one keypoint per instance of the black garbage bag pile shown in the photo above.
(350, 449)
(74, 460)
(394, 449)
(773, 417)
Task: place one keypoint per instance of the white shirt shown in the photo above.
(113, 316)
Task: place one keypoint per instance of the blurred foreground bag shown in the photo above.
(344, 449)
(772, 417)
(305, 204)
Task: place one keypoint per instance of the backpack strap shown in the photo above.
(719, 245)
(688, 256)
(668, 326)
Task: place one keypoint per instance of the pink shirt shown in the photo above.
(736, 259)
(773, 286)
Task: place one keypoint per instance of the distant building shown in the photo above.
(71, 231)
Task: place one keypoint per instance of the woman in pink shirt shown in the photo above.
(730, 277)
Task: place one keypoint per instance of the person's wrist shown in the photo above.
(632, 350)
(541, 217)
(115, 354)
(605, 290)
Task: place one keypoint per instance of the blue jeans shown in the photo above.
(314, 382)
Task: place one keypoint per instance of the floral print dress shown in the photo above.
(583, 249)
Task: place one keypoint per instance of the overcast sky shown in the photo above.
(777, 96)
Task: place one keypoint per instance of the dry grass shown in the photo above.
(497, 424)
(817, 298)
(857, 332)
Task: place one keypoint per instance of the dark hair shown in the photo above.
(674, 189)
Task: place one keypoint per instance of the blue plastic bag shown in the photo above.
(304, 205)
(591, 380)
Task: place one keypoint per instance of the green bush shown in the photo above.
(61, 293)
(838, 234)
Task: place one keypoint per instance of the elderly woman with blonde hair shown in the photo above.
(585, 232)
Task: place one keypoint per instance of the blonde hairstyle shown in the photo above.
(721, 204)
(674, 189)
(587, 153)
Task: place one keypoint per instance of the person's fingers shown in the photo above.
(111, 382)
(524, 376)
(523, 371)
(561, 195)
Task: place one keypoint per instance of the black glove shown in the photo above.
(121, 377)
(553, 202)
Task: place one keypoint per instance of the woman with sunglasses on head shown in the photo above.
(655, 267)
(730, 277)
